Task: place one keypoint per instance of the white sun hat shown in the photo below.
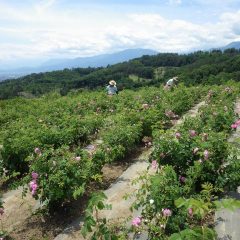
(112, 82)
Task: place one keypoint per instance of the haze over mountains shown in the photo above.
(231, 45)
(94, 61)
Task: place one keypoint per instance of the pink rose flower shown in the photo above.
(206, 155)
(32, 183)
(178, 135)
(154, 164)
(166, 212)
(190, 212)
(37, 151)
(182, 179)
(33, 187)
(136, 221)
(192, 133)
(234, 126)
(34, 175)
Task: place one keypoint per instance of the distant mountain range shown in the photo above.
(99, 60)
(235, 45)
(95, 61)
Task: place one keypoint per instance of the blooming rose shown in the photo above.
(178, 135)
(190, 212)
(154, 164)
(34, 175)
(37, 151)
(192, 133)
(206, 154)
(33, 187)
(234, 126)
(182, 179)
(166, 212)
(136, 221)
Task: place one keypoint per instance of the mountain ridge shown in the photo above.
(235, 44)
(101, 60)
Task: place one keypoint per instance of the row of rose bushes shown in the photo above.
(194, 166)
(53, 121)
(59, 175)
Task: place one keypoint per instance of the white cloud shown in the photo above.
(175, 2)
(43, 31)
(43, 5)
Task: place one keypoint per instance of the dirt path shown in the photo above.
(123, 185)
(17, 209)
(228, 221)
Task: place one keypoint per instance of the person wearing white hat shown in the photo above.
(112, 88)
(171, 83)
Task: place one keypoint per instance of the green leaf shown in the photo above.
(175, 236)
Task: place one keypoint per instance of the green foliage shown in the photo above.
(164, 188)
(187, 154)
(93, 224)
(196, 233)
(193, 168)
(230, 177)
(213, 67)
(61, 175)
(120, 139)
(180, 152)
(62, 126)
(231, 204)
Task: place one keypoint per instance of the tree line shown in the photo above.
(209, 67)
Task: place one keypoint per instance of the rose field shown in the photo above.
(60, 154)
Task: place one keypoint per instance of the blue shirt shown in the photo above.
(111, 90)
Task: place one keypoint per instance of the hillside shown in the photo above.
(59, 146)
(213, 67)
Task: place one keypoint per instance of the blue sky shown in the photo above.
(32, 31)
